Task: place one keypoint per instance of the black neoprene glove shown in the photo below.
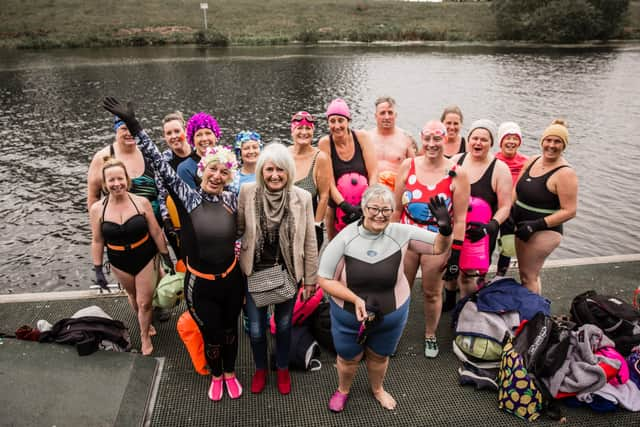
(439, 210)
(320, 234)
(351, 213)
(100, 279)
(477, 230)
(167, 261)
(125, 112)
(525, 229)
(452, 269)
(168, 227)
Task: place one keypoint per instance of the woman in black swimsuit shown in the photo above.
(546, 196)
(123, 222)
(353, 161)
(455, 143)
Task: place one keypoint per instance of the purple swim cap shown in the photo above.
(201, 121)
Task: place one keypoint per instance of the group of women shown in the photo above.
(277, 201)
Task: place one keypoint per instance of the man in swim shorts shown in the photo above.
(393, 144)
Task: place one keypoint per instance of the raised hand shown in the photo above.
(439, 210)
(125, 112)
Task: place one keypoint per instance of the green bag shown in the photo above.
(169, 291)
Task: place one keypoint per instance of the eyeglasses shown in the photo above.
(303, 115)
(374, 211)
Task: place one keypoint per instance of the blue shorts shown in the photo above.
(383, 339)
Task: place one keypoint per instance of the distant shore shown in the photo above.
(92, 23)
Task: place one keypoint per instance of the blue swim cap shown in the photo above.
(117, 122)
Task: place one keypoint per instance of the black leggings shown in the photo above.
(215, 306)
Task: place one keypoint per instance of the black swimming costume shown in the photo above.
(533, 198)
(355, 164)
(133, 230)
(482, 189)
(461, 149)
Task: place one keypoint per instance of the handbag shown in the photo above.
(272, 285)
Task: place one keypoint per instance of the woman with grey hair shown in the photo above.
(275, 219)
(362, 269)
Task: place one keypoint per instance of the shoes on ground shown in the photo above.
(431, 348)
(216, 389)
(338, 401)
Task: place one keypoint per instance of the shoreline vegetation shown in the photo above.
(45, 24)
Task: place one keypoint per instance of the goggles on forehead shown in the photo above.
(427, 134)
(248, 136)
(303, 116)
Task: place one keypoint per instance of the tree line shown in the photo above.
(559, 21)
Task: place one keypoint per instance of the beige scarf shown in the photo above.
(273, 220)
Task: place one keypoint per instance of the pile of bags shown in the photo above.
(539, 361)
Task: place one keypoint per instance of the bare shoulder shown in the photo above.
(141, 201)
(323, 143)
(98, 158)
(323, 157)
(96, 207)
(363, 135)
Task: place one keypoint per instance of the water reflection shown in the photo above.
(51, 124)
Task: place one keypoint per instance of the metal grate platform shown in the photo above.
(427, 391)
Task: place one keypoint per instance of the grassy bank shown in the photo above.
(88, 23)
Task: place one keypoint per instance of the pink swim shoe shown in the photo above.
(338, 401)
(216, 389)
(234, 388)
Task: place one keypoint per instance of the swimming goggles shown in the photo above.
(303, 115)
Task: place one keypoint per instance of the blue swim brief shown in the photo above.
(382, 340)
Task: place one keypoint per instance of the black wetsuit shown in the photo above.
(208, 232)
(534, 200)
(120, 237)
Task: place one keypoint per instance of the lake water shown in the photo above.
(51, 124)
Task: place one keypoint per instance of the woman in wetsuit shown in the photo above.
(362, 269)
(214, 285)
(202, 132)
(546, 196)
(455, 143)
(125, 224)
(275, 219)
(490, 181)
(313, 168)
(353, 161)
(420, 179)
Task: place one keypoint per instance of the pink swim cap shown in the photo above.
(338, 107)
(302, 118)
(434, 127)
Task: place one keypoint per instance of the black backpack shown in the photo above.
(320, 323)
(543, 344)
(618, 319)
